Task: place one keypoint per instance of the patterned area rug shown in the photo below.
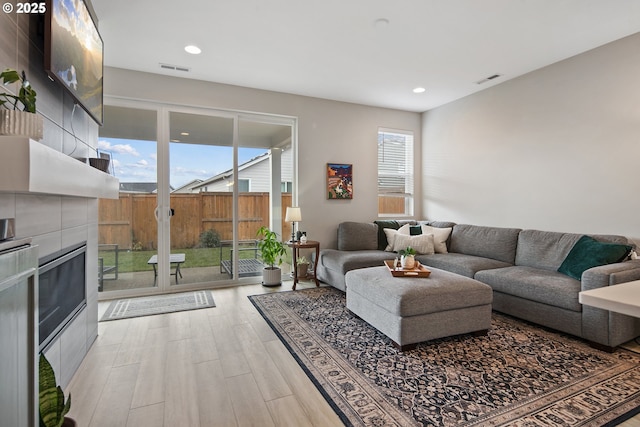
(158, 304)
(517, 375)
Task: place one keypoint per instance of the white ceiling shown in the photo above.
(334, 49)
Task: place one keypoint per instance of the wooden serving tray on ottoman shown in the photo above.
(419, 271)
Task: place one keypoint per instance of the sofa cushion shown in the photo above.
(588, 253)
(344, 261)
(440, 235)
(548, 249)
(465, 265)
(391, 238)
(422, 243)
(489, 242)
(534, 284)
(441, 224)
(544, 249)
(382, 238)
(357, 236)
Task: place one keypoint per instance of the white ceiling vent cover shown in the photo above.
(488, 79)
(175, 67)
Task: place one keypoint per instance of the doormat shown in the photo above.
(158, 304)
(517, 375)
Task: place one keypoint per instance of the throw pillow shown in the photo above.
(382, 238)
(414, 230)
(440, 236)
(588, 253)
(390, 235)
(422, 243)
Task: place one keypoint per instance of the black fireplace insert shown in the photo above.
(61, 290)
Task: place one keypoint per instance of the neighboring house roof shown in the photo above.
(139, 187)
(229, 172)
(186, 188)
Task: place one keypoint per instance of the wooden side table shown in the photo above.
(296, 246)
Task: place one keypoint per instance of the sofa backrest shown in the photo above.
(489, 242)
(357, 236)
(548, 249)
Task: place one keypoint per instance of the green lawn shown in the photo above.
(130, 261)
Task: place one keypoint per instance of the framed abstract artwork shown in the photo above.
(339, 181)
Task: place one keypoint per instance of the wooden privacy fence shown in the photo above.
(130, 222)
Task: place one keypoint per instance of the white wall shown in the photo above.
(328, 131)
(557, 149)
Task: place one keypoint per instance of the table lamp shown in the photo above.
(293, 215)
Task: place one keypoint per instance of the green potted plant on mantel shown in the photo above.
(18, 112)
(302, 267)
(53, 406)
(272, 251)
(407, 258)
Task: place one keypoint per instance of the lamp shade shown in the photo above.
(293, 214)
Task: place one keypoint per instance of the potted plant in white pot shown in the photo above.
(408, 258)
(272, 251)
(18, 112)
(302, 267)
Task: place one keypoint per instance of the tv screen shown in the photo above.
(74, 53)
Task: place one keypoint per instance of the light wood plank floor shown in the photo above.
(221, 366)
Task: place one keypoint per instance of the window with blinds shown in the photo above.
(395, 173)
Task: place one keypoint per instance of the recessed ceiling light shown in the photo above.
(184, 133)
(192, 49)
(419, 90)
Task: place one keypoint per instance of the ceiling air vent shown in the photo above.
(487, 79)
(175, 67)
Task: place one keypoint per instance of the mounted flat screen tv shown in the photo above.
(74, 53)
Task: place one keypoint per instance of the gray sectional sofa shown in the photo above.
(521, 266)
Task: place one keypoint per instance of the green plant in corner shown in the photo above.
(26, 95)
(53, 407)
(271, 249)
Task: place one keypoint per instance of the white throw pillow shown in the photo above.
(391, 236)
(422, 243)
(440, 236)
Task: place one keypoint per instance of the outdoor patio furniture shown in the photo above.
(176, 259)
(246, 266)
(107, 272)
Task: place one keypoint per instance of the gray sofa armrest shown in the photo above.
(611, 274)
(605, 327)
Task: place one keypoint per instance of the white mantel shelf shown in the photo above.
(27, 166)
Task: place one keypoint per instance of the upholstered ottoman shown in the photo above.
(410, 310)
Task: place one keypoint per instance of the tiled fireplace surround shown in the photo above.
(53, 221)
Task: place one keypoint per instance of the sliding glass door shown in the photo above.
(127, 229)
(220, 176)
